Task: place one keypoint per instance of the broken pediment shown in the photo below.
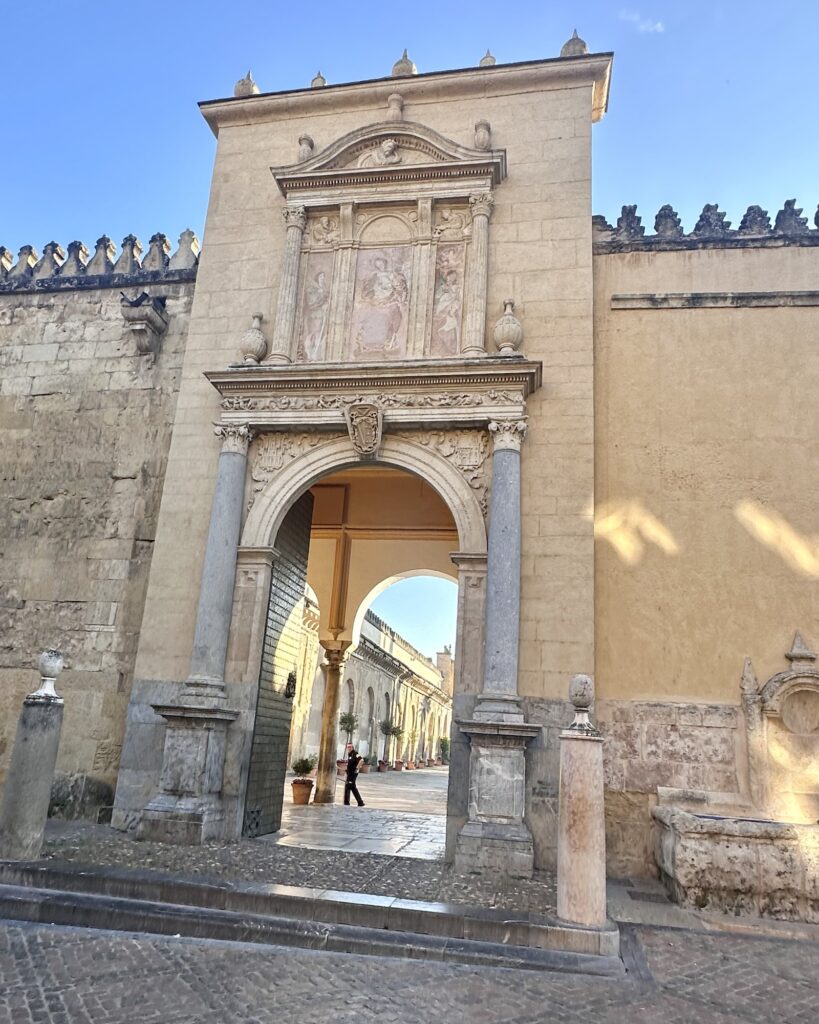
(391, 152)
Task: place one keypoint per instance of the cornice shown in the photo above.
(560, 72)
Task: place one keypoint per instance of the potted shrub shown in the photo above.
(365, 764)
(445, 750)
(413, 739)
(383, 766)
(386, 730)
(302, 785)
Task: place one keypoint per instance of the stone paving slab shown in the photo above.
(55, 975)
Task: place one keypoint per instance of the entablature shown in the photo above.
(412, 393)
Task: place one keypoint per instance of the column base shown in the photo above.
(188, 809)
(498, 708)
(184, 821)
(495, 848)
(204, 688)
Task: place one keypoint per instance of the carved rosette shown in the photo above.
(236, 437)
(507, 435)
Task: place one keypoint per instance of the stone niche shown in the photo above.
(762, 858)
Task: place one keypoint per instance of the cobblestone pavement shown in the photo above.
(257, 860)
(70, 976)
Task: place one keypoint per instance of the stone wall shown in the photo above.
(85, 424)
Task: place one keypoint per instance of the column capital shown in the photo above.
(236, 437)
(295, 217)
(507, 434)
(481, 203)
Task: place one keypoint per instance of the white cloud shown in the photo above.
(640, 23)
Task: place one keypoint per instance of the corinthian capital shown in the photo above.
(507, 434)
(481, 203)
(235, 437)
(295, 217)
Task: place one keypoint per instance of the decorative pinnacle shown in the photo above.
(246, 86)
(581, 694)
(318, 81)
(487, 61)
(574, 47)
(404, 66)
(50, 664)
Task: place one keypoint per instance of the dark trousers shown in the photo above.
(350, 787)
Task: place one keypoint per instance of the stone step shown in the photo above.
(292, 909)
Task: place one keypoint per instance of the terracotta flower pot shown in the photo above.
(364, 768)
(398, 765)
(410, 766)
(302, 788)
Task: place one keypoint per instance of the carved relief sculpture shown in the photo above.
(315, 307)
(272, 452)
(364, 425)
(447, 305)
(385, 154)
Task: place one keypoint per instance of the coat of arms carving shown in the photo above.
(364, 424)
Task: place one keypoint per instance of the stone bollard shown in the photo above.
(581, 836)
(28, 783)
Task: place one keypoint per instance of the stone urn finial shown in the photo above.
(487, 61)
(395, 107)
(50, 664)
(253, 345)
(319, 81)
(508, 333)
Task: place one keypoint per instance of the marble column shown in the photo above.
(472, 340)
(498, 700)
(581, 831)
(328, 746)
(495, 837)
(281, 345)
(213, 614)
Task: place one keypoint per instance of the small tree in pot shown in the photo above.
(302, 786)
(348, 723)
(413, 740)
(397, 732)
(386, 731)
(445, 750)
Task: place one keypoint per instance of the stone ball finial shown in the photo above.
(50, 663)
(487, 61)
(574, 47)
(253, 345)
(581, 692)
(319, 81)
(404, 66)
(246, 86)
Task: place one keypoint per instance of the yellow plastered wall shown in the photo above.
(706, 455)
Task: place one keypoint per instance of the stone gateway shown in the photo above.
(408, 347)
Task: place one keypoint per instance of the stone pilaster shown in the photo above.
(473, 342)
(326, 775)
(218, 572)
(281, 346)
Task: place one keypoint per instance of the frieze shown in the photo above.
(394, 400)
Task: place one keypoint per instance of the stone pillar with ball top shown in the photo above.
(581, 836)
(27, 791)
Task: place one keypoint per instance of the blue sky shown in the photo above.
(99, 130)
(423, 610)
(100, 133)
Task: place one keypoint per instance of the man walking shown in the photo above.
(353, 761)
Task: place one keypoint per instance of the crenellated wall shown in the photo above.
(88, 384)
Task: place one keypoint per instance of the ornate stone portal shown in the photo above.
(377, 353)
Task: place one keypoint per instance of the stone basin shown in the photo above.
(738, 865)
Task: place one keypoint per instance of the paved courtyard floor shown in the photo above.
(53, 975)
(404, 815)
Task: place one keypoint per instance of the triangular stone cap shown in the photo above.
(390, 152)
(799, 650)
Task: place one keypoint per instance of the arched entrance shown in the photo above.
(408, 511)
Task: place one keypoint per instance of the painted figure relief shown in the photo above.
(381, 304)
(447, 304)
(315, 308)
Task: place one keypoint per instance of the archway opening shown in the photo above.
(377, 566)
